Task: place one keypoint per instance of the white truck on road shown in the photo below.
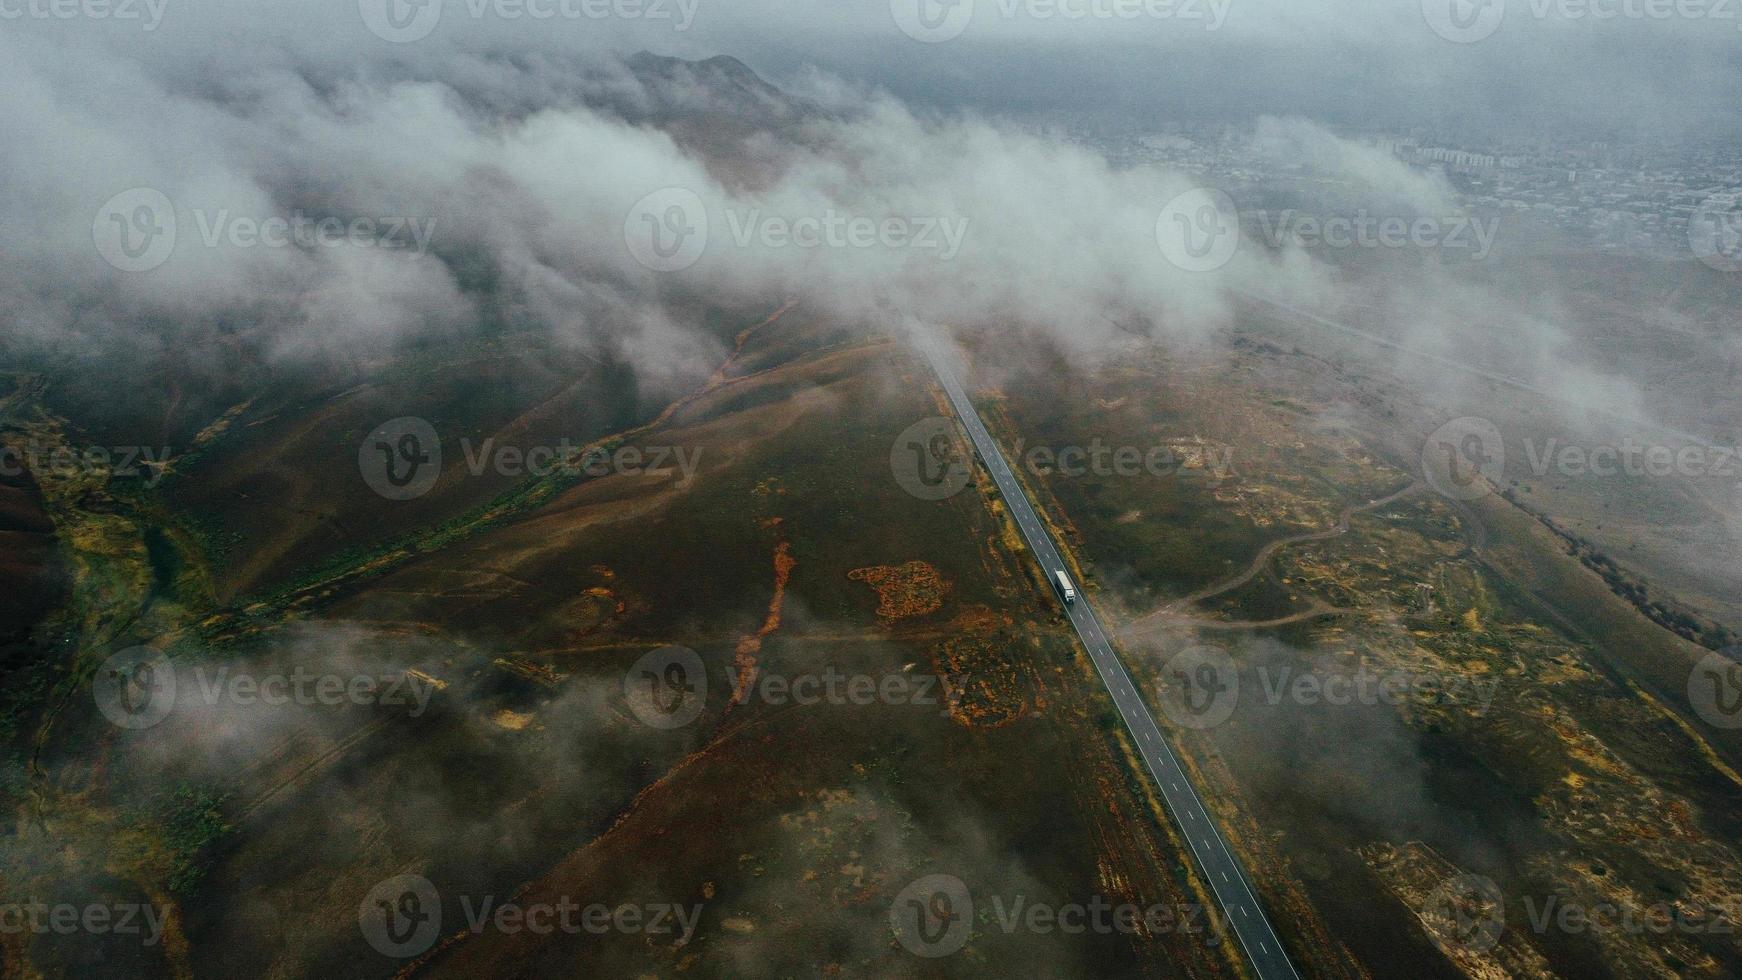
(1062, 582)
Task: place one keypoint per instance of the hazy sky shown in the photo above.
(1611, 67)
(471, 121)
(1347, 61)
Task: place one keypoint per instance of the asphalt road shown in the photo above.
(1215, 861)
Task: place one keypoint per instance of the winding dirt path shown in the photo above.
(1168, 614)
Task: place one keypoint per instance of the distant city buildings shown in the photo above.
(1612, 193)
(1461, 159)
